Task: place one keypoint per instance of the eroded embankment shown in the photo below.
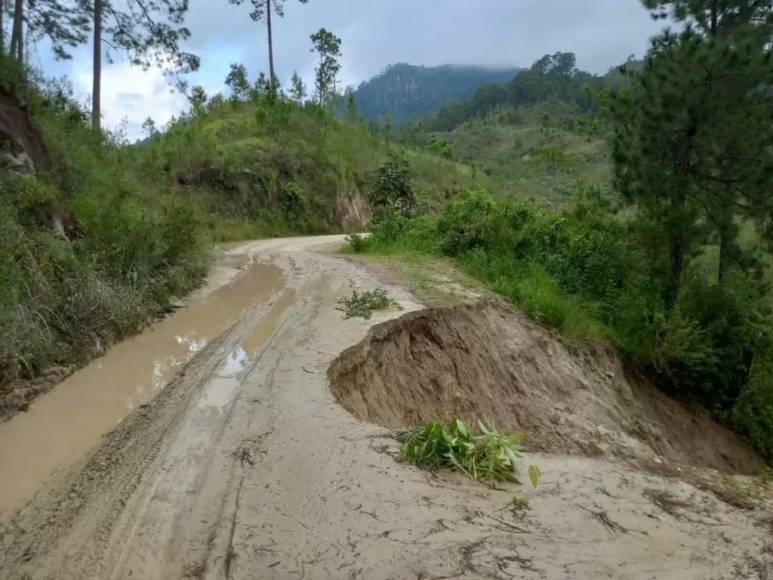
(487, 362)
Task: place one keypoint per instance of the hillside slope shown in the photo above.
(273, 168)
(89, 250)
(540, 136)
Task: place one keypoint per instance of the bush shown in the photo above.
(363, 305)
(753, 413)
(467, 224)
(391, 187)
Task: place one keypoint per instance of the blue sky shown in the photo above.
(375, 33)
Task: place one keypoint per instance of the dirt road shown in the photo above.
(245, 466)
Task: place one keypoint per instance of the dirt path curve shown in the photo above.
(245, 467)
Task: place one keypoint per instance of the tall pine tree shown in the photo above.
(690, 137)
(264, 9)
(328, 46)
(148, 32)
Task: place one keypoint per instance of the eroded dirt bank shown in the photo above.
(266, 476)
(486, 362)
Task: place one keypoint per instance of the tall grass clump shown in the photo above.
(127, 244)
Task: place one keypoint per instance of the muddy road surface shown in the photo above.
(243, 465)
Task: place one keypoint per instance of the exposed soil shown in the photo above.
(489, 363)
(245, 467)
(21, 141)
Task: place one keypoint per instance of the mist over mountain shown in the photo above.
(406, 92)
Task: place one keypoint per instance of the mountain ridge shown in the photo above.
(406, 92)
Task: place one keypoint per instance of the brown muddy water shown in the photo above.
(64, 424)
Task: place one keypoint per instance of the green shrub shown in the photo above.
(357, 243)
(467, 224)
(753, 412)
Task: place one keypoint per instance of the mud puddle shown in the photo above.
(222, 389)
(61, 426)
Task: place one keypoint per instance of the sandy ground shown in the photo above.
(244, 466)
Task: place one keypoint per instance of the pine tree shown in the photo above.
(63, 22)
(297, 89)
(2, 28)
(238, 83)
(17, 31)
(352, 114)
(689, 146)
(264, 9)
(198, 100)
(713, 17)
(328, 46)
(147, 31)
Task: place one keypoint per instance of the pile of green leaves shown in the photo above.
(363, 305)
(487, 453)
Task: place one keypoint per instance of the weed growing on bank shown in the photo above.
(363, 305)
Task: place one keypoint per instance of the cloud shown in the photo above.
(375, 33)
(132, 94)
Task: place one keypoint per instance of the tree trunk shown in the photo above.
(676, 250)
(677, 267)
(726, 230)
(17, 40)
(96, 90)
(272, 76)
(2, 29)
(724, 257)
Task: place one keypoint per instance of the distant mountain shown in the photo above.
(407, 92)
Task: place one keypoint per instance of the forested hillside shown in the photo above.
(540, 135)
(659, 240)
(404, 92)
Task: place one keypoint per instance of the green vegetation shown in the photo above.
(539, 137)
(586, 271)
(483, 454)
(365, 304)
(541, 152)
(669, 260)
(404, 92)
(551, 78)
(89, 250)
(262, 165)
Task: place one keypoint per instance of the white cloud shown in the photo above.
(133, 94)
(375, 33)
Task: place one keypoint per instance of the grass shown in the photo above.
(133, 245)
(264, 169)
(363, 305)
(485, 453)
